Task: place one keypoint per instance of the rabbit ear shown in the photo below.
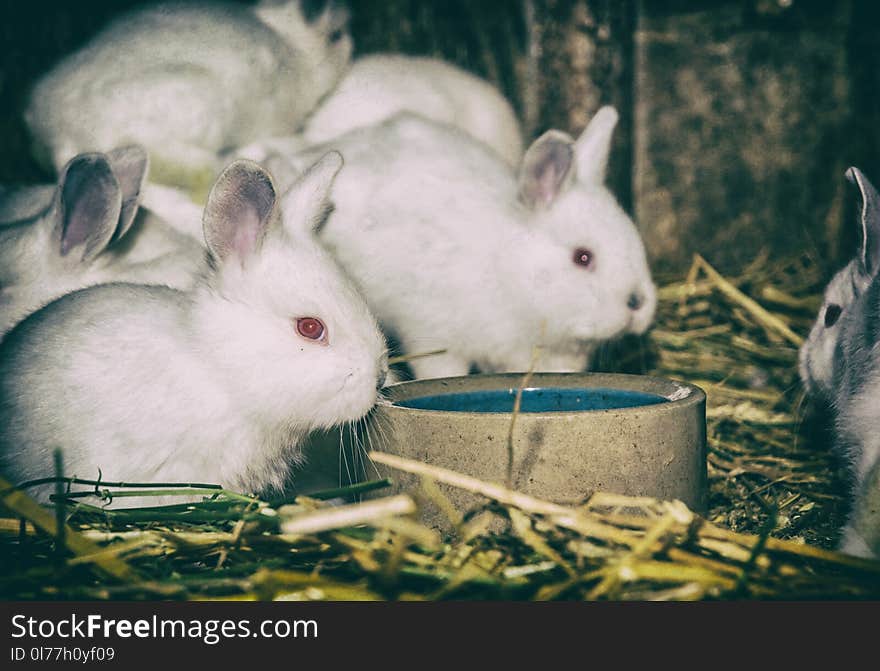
(307, 203)
(322, 13)
(869, 220)
(130, 165)
(239, 211)
(594, 146)
(546, 169)
(88, 205)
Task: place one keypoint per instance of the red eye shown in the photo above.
(583, 257)
(311, 328)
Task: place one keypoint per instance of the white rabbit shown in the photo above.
(217, 384)
(840, 363)
(379, 86)
(454, 250)
(187, 80)
(86, 230)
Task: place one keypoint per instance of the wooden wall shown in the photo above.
(746, 119)
(738, 117)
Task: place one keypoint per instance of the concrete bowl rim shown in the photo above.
(695, 396)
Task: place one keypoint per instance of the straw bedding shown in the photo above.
(777, 500)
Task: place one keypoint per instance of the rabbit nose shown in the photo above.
(635, 301)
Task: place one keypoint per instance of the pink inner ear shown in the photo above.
(238, 212)
(244, 239)
(548, 184)
(546, 167)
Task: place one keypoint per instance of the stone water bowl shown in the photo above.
(575, 434)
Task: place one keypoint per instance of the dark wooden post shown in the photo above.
(742, 128)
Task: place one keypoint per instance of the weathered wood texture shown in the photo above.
(745, 125)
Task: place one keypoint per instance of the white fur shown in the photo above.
(208, 385)
(861, 416)
(187, 80)
(175, 206)
(429, 224)
(816, 357)
(34, 272)
(380, 85)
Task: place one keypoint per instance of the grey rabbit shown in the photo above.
(840, 363)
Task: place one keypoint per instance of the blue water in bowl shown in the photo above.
(544, 399)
